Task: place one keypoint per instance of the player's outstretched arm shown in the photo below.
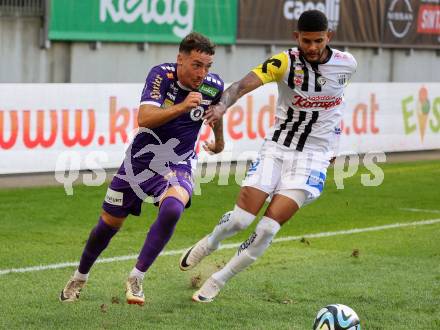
(151, 116)
(219, 143)
(239, 88)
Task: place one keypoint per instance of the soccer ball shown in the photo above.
(336, 317)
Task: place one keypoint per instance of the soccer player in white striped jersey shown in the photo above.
(293, 161)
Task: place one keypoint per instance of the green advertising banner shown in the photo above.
(165, 21)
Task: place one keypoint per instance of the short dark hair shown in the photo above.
(198, 42)
(312, 21)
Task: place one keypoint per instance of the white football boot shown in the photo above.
(209, 290)
(134, 292)
(192, 257)
(195, 254)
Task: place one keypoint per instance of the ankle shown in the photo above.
(79, 276)
(211, 244)
(137, 273)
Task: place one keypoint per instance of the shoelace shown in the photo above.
(135, 286)
(73, 285)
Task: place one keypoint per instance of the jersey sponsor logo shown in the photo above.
(114, 197)
(155, 88)
(167, 103)
(208, 90)
(316, 180)
(299, 73)
(299, 77)
(197, 113)
(171, 96)
(322, 98)
(400, 17)
(303, 102)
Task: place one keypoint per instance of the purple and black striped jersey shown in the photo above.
(163, 89)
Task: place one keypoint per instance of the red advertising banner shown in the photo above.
(429, 20)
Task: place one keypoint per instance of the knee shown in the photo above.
(241, 219)
(267, 227)
(112, 221)
(262, 237)
(171, 208)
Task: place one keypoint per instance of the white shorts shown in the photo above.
(278, 170)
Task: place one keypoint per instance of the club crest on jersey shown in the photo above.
(197, 113)
(321, 80)
(342, 79)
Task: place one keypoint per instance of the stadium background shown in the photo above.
(106, 51)
(248, 30)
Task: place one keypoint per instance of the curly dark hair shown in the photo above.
(312, 21)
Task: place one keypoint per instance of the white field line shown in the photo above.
(419, 210)
(226, 246)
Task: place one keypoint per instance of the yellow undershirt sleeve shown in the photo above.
(273, 68)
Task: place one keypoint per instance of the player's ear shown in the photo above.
(179, 58)
(296, 35)
(330, 35)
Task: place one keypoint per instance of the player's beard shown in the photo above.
(318, 61)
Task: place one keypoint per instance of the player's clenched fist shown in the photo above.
(191, 101)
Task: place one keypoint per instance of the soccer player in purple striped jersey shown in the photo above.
(160, 161)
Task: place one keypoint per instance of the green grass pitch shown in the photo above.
(392, 280)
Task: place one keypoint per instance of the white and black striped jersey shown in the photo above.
(310, 98)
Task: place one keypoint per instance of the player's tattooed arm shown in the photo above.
(239, 88)
(250, 82)
(219, 143)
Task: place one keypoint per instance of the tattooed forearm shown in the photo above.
(218, 135)
(240, 88)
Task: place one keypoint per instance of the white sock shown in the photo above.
(137, 273)
(229, 224)
(249, 250)
(79, 276)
